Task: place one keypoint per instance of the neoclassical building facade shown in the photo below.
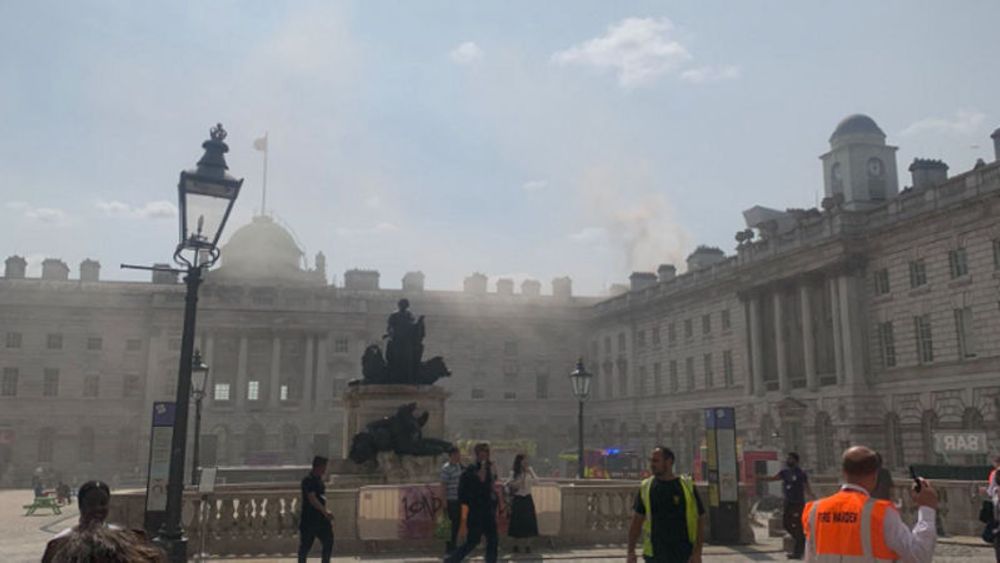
(873, 319)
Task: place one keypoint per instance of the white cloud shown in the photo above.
(534, 185)
(159, 209)
(703, 74)
(639, 49)
(965, 122)
(466, 53)
(48, 215)
(379, 229)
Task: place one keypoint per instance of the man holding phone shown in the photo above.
(850, 525)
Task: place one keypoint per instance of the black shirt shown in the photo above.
(669, 521)
(479, 495)
(795, 484)
(311, 516)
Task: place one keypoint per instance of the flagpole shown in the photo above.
(263, 191)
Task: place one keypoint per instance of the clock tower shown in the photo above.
(860, 166)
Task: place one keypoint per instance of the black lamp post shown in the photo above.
(199, 378)
(581, 390)
(206, 196)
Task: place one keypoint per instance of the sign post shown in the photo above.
(723, 476)
(158, 472)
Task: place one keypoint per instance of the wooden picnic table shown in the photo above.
(51, 503)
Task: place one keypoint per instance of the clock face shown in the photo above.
(835, 171)
(875, 167)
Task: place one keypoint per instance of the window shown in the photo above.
(13, 339)
(622, 378)
(925, 343)
(130, 386)
(50, 383)
(709, 374)
(509, 395)
(54, 342)
(621, 342)
(607, 345)
(706, 324)
(641, 391)
(640, 339)
(688, 328)
(658, 378)
(918, 273)
(478, 393)
(253, 390)
(957, 263)
(689, 373)
(996, 254)
(510, 348)
(340, 346)
(283, 392)
(727, 322)
(8, 387)
(727, 367)
(882, 281)
(671, 333)
(133, 345)
(221, 392)
(91, 386)
(97, 343)
(541, 387)
(656, 336)
(674, 383)
(886, 345)
(966, 337)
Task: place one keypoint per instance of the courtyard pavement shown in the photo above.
(23, 538)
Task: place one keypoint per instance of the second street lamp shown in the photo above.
(199, 378)
(205, 198)
(581, 379)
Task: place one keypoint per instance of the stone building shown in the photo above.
(872, 319)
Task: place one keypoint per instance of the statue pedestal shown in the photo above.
(368, 403)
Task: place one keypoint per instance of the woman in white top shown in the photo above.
(523, 521)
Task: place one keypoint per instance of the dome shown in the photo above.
(261, 249)
(857, 124)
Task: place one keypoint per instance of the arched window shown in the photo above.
(253, 440)
(289, 438)
(893, 454)
(825, 449)
(46, 441)
(972, 419)
(86, 445)
(767, 434)
(928, 424)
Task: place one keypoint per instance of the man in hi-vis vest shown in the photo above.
(668, 515)
(851, 526)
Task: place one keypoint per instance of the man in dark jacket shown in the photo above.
(316, 520)
(476, 490)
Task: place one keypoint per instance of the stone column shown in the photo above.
(808, 337)
(307, 382)
(324, 387)
(756, 348)
(851, 336)
(241, 387)
(833, 289)
(274, 389)
(779, 341)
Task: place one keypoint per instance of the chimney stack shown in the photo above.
(531, 288)
(505, 286)
(14, 268)
(90, 270)
(476, 283)
(413, 281)
(641, 280)
(666, 272)
(928, 173)
(162, 277)
(703, 257)
(562, 288)
(996, 144)
(363, 280)
(54, 269)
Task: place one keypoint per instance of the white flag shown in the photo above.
(261, 143)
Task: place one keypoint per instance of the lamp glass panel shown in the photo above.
(205, 209)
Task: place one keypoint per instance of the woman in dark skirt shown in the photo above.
(523, 521)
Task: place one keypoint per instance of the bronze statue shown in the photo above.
(401, 433)
(403, 363)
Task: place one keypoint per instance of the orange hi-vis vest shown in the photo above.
(847, 527)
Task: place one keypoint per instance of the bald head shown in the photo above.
(860, 465)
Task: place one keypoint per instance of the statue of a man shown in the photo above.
(404, 349)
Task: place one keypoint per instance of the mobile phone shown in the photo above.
(916, 480)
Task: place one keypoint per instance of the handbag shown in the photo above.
(986, 512)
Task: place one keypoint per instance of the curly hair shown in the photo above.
(101, 544)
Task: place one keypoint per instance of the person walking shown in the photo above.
(851, 526)
(884, 484)
(523, 520)
(668, 515)
(993, 492)
(796, 486)
(451, 474)
(476, 491)
(316, 521)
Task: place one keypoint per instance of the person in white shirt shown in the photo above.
(523, 520)
(830, 522)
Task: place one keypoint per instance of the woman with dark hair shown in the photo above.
(102, 544)
(523, 521)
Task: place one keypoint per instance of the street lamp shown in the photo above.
(205, 198)
(199, 377)
(581, 390)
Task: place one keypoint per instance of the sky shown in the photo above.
(516, 139)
